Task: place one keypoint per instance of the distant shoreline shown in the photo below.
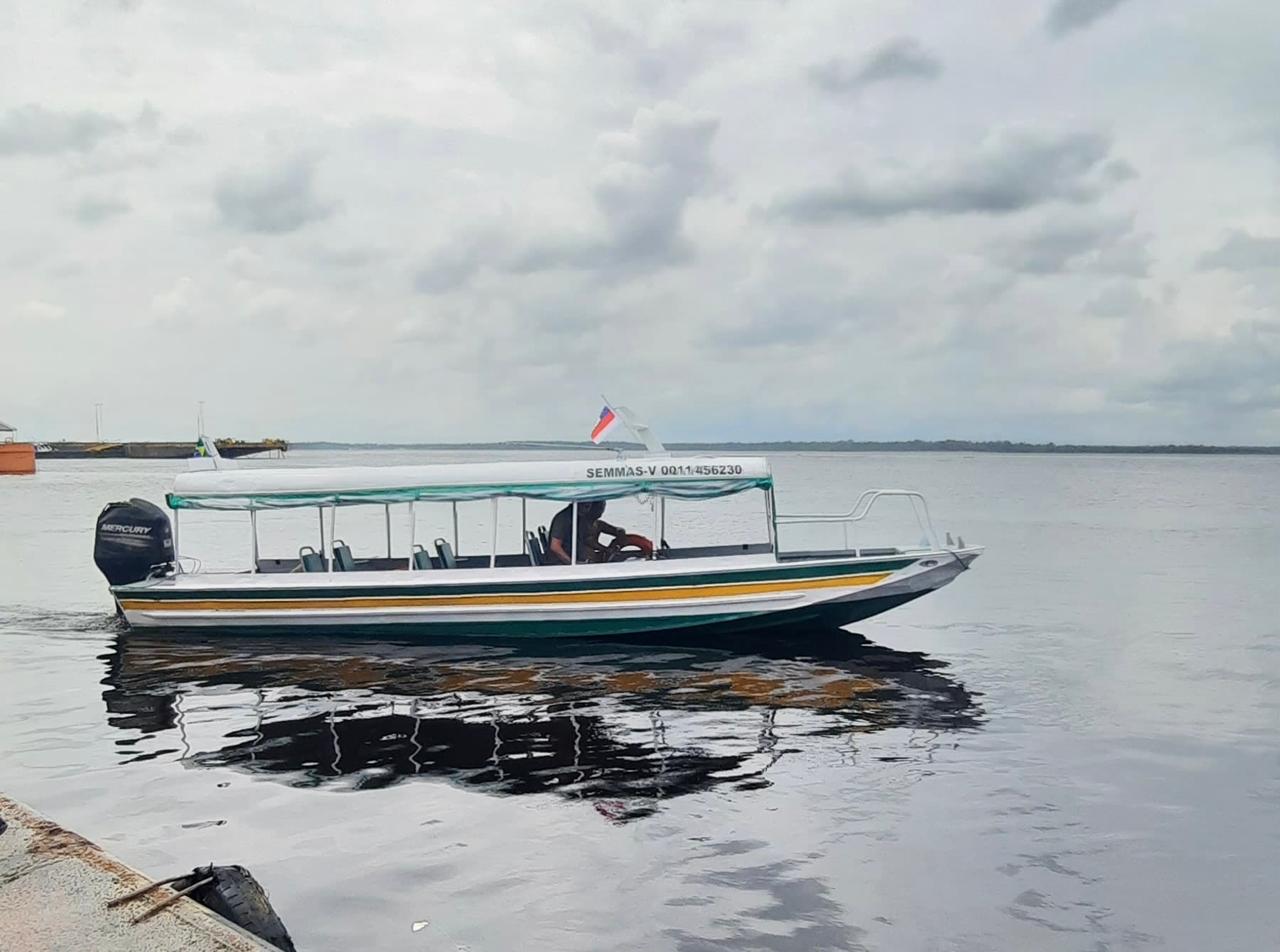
(832, 446)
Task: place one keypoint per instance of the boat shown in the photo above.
(641, 587)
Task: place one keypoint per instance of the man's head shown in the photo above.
(591, 509)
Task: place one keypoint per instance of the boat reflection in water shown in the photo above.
(625, 725)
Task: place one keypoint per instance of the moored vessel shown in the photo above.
(16, 459)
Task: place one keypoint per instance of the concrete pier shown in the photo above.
(54, 890)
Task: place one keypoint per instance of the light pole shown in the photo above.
(97, 421)
(200, 419)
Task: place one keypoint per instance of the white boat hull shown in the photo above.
(730, 592)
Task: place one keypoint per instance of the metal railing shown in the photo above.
(919, 507)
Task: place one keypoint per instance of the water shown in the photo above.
(1074, 747)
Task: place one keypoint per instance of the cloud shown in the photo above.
(94, 211)
(274, 200)
(1076, 244)
(1009, 173)
(1242, 251)
(42, 311)
(538, 206)
(35, 130)
(1232, 373)
(1067, 16)
(453, 264)
(1120, 299)
(901, 58)
(648, 175)
(662, 52)
(348, 256)
(797, 319)
(175, 302)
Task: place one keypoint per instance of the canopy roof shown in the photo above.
(681, 477)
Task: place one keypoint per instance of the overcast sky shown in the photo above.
(1045, 219)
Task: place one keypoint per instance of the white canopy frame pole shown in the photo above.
(662, 520)
(771, 514)
(493, 532)
(320, 513)
(253, 531)
(457, 549)
(656, 503)
(177, 565)
(524, 518)
(573, 546)
(387, 508)
(413, 526)
(333, 533)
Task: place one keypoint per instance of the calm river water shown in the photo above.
(1076, 746)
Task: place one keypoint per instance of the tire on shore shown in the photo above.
(236, 896)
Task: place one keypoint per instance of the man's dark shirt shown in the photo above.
(562, 529)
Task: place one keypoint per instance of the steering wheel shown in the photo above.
(628, 546)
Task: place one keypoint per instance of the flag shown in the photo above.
(608, 420)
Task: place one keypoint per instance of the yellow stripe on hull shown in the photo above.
(674, 593)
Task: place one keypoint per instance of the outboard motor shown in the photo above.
(133, 538)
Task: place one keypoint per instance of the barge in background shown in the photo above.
(148, 450)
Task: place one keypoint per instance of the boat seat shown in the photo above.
(544, 539)
(342, 560)
(536, 555)
(445, 551)
(312, 561)
(422, 558)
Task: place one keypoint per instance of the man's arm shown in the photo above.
(614, 531)
(556, 548)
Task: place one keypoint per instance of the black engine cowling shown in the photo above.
(132, 540)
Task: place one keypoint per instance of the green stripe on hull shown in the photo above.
(506, 629)
(765, 573)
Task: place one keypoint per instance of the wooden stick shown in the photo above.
(121, 900)
(170, 901)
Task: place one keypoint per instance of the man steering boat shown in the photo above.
(590, 527)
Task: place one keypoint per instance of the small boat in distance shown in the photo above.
(644, 587)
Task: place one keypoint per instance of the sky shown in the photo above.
(1051, 220)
